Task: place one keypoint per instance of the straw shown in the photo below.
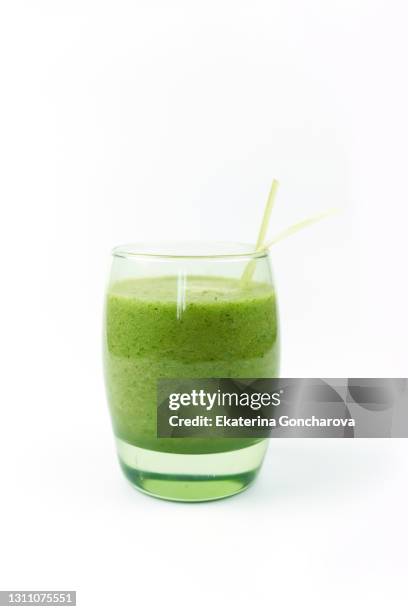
(261, 245)
(292, 229)
(249, 269)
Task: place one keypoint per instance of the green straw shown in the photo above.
(250, 267)
(292, 229)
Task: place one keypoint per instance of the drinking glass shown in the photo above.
(186, 311)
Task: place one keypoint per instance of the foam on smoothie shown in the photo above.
(199, 289)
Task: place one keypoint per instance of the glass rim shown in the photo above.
(179, 250)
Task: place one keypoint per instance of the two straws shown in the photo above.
(261, 245)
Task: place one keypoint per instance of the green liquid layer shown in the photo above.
(159, 328)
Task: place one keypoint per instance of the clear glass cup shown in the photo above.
(182, 310)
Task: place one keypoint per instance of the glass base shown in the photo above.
(191, 478)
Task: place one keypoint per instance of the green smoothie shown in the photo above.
(205, 327)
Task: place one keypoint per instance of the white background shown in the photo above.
(124, 121)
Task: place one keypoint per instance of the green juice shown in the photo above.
(204, 327)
